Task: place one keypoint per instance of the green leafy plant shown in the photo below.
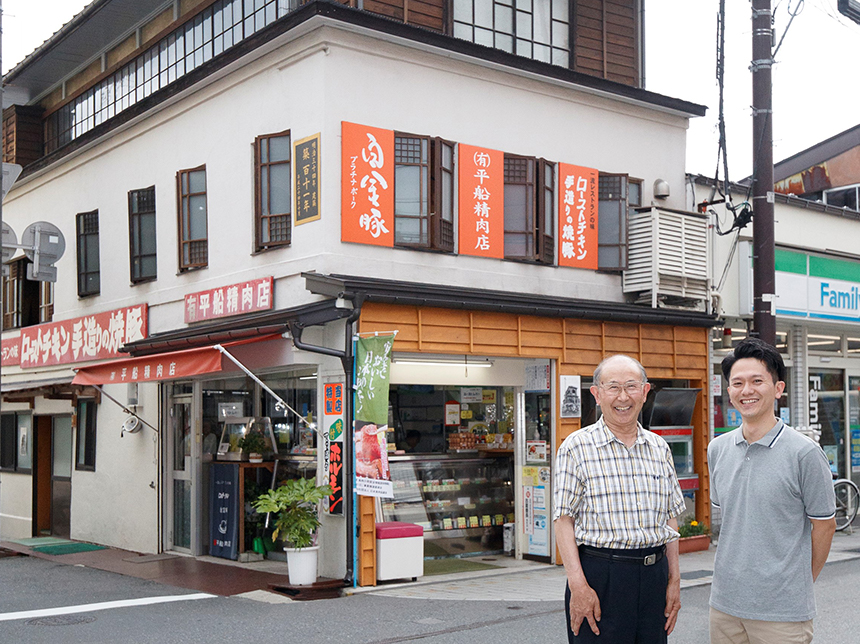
(692, 528)
(296, 505)
(253, 442)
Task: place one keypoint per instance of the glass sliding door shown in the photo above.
(854, 426)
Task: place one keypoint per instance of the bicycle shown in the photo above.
(847, 502)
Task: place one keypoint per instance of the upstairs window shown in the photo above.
(613, 206)
(272, 207)
(423, 192)
(20, 297)
(193, 231)
(89, 280)
(843, 197)
(141, 234)
(85, 454)
(538, 29)
(529, 199)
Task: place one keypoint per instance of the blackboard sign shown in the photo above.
(224, 510)
(306, 155)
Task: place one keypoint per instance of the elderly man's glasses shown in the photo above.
(632, 387)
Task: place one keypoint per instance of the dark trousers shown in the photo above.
(632, 600)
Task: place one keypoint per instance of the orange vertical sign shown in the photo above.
(367, 190)
(482, 202)
(577, 216)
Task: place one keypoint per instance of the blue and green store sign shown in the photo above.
(824, 288)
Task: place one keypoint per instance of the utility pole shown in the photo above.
(764, 275)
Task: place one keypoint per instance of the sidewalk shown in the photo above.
(515, 580)
(540, 582)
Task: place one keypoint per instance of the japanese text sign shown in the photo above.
(481, 202)
(225, 301)
(307, 193)
(372, 375)
(333, 423)
(367, 185)
(577, 216)
(11, 351)
(88, 338)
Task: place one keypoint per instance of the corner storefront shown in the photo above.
(482, 394)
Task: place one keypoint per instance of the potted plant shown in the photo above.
(253, 443)
(694, 536)
(296, 506)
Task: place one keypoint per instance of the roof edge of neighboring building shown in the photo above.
(818, 153)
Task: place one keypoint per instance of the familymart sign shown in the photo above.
(817, 287)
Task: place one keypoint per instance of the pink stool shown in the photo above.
(399, 551)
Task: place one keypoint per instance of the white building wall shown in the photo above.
(308, 82)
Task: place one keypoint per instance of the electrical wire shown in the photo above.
(793, 15)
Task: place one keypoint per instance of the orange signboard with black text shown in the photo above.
(482, 201)
(367, 185)
(577, 216)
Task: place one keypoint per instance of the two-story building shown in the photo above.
(256, 183)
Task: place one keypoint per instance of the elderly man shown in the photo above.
(616, 501)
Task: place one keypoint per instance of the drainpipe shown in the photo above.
(347, 359)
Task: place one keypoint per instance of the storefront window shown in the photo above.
(434, 419)
(299, 391)
(853, 346)
(827, 414)
(824, 343)
(854, 424)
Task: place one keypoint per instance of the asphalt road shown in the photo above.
(29, 584)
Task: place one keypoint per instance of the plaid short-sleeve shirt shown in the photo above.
(618, 497)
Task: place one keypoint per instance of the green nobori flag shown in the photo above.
(372, 371)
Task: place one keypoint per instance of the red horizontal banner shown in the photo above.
(92, 337)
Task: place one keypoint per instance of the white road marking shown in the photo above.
(88, 608)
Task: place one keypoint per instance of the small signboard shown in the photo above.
(224, 511)
(306, 155)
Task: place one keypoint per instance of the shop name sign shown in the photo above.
(224, 301)
(92, 337)
(817, 287)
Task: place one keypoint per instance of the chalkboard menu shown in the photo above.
(224, 510)
(306, 157)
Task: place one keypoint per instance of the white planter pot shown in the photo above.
(302, 565)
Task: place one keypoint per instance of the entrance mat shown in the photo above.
(150, 558)
(67, 548)
(40, 541)
(452, 565)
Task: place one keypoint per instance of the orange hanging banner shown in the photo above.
(367, 185)
(482, 202)
(577, 216)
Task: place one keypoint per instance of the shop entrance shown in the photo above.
(181, 521)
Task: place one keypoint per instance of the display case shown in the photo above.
(462, 503)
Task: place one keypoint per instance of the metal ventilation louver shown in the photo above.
(668, 260)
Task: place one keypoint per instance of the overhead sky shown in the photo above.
(815, 86)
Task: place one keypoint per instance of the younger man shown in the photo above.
(775, 493)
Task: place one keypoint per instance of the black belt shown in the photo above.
(606, 553)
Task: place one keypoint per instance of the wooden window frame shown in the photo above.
(622, 212)
(439, 227)
(85, 233)
(135, 229)
(197, 245)
(46, 302)
(88, 462)
(261, 167)
(540, 219)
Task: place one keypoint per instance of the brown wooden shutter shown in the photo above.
(544, 192)
(429, 14)
(441, 231)
(606, 39)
